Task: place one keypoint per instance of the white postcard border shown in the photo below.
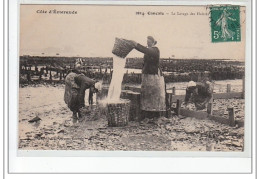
(24, 161)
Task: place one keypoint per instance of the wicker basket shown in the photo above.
(118, 113)
(122, 47)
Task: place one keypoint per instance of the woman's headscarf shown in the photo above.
(152, 39)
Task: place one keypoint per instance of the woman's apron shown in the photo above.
(153, 92)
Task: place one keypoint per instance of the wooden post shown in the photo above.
(173, 91)
(135, 108)
(29, 76)
(199, 77)
(139, 77)
(168, 105)
(40, 74)
(97, 94)
(60, 76)
(50, 76)
(178, 107)
(228, 88)
(231, 118)
(209, 109)
(243, 87)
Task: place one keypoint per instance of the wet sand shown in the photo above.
(55, 130)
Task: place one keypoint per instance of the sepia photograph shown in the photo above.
(132, 78)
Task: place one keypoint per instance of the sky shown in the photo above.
(92, 31)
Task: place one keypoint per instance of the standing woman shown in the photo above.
(153, 85)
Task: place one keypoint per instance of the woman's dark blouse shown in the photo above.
(151, 59)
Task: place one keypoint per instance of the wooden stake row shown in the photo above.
(60, 74)
(203, 115)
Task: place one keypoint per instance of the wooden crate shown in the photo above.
(135, 108)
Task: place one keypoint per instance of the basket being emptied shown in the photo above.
(122, 47)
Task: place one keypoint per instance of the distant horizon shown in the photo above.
(225, 59)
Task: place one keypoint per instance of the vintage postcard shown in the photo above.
(132, 78)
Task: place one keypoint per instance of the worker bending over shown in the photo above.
(76, 84)
(199, 93)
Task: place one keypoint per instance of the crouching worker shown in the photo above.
(200, 93)
(76, 84)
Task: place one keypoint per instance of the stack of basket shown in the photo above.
(122, 47)
(118, 113)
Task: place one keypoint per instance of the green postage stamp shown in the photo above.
(225, 23)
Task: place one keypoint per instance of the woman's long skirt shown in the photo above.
(153, 93)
